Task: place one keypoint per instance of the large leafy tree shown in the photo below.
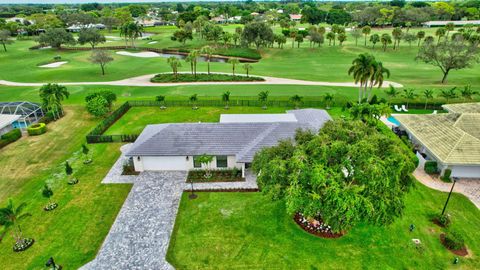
(56, 37)
(449, 55)
(52, 95)
(258, 33)
(91, 36)
(102, 58)
(349, 173)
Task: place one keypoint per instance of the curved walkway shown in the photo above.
(144, 80)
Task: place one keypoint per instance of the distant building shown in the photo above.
(295, 17)
(456, 23)
(77, 27)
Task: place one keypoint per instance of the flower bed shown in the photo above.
(24, 244)
(230, 175)
(183, 77)
(37, 129)
(50, 206)
(456, 246)
(129, 169)
(315, 227)
(73, 181)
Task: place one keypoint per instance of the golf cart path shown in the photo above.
(144, 80)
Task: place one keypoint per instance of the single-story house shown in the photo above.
(456, 23)
(232, 142)
(452, 139)
(295, 17)
(7, 122)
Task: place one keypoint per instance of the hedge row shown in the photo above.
(201, 77)
(10, 137)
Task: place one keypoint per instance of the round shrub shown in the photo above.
(431, 167)
(446, 175)
(37, 129)
(454, 240)
(443, 220)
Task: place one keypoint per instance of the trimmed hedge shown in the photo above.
(168, 77)
(431, 167)
(10, 137)
(37, 129)
(446, 175)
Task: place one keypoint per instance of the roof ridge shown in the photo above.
(455, 146)
(257, 140)
(149, 137)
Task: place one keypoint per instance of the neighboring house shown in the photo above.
(29, 112)
(233, 141)
(219, 19)
(7, 122)
(295, 17)
(456, 23)
(452, 139)
(78, 27)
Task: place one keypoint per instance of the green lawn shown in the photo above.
(328, 63)
(73, 232)
(249, 231)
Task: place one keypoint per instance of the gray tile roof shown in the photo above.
(240, 139)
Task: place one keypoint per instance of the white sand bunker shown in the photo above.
(139, 54)
(54, 64)
(152, 42)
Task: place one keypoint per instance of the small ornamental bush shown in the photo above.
(431, 167)
(37, 129)
(454, 240)
(446, 175)
(23, 244)
(57, 58)
(50, 206)
(443, 220)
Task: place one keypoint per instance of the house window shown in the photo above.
(196, 162)
(222, 162)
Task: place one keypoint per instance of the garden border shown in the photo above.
(97, 134)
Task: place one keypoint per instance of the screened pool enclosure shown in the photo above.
(29, 112)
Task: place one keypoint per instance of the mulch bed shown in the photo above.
(299, 219)
(461, 252)
(198, 176)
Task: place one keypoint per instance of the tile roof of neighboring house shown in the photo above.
(442, 23)
(295, 16)
(240, 139)
(453, 138)
(463, 107)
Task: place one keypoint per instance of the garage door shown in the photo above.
(174, 163)
(466, 171)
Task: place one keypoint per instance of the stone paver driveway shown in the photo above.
(140, 235)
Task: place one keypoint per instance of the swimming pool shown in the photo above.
(393, 120)
(17, 124)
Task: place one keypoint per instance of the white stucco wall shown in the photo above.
(465, 171)
(5, 129)
(176, 163)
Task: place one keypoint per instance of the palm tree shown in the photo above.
(362, 70)
(378, 76)
(448, 94)
(193, 58)
(135, 31)
(226, 99)
(296, 100)
(341, 38)
(161, 99)
(247, 67)
(468, 93)
(366, 31)
(420, 36)
(409, 94)
(11, 216)
(193, 99)
(397, 36)
(428, 94)
(449, 27)
(174, 64)
(328, 98)
(293, 35)
(440, 33)
(374, 39)
(234, 61)
(189, 59)
(124, 32)
(208, 52)
(391, 92)
(52, 96)
(330, 37)
(263, 98)
(385, 39)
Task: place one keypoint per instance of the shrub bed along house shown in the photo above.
(37, 129)
(168, 77)
(446, 175)
(225, 175)
(10, 137)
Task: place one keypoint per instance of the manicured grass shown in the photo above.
(327, 63)
(168, 77)
(249, 231)
(138, 117)
(73, 232)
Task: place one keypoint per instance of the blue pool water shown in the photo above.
(393, 120)
(19, 125)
